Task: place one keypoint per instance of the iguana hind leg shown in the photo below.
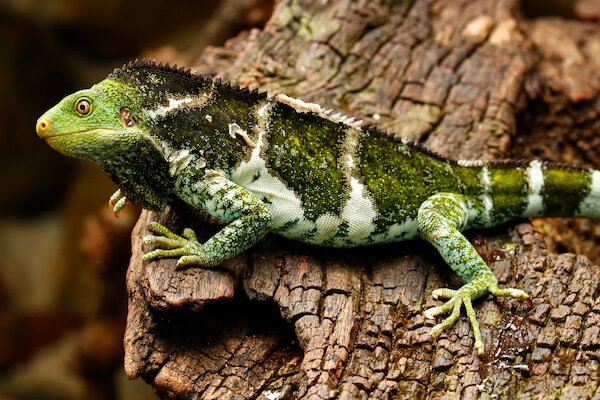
(440, 218)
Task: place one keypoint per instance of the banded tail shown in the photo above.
(535, 189)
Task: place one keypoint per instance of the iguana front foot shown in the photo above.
(167, 244)
(117, 202)
(468, 292)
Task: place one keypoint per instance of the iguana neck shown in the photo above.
(142, 173)
(190, 118)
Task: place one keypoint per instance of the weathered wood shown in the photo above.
(287, 320)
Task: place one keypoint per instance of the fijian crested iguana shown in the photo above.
(277, 164)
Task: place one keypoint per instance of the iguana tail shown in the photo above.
(509, 190)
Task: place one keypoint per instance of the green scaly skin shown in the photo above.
(277, 164)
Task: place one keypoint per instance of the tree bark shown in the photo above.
(468, 79)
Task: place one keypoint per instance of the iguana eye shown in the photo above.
(83, 107)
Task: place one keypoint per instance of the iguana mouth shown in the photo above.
(47, 137)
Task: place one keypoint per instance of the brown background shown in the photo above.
(62, 270)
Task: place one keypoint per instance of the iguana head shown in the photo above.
(105, 124)
(146, 123)
(92, 123)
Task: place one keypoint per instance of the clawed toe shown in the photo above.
(187, 261)
(443, 293)
(162, 242)
(117, 202)
(162, 230)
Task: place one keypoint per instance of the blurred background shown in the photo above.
(63, 254)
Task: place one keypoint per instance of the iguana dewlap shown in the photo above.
(277, 164)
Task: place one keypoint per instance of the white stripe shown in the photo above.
(178, 159)
(348, 153)
(470, 163)
(359, 213)
(306, 107)
(486, 197)
(262, 111)
(174, 104)
(485, 178)
(535, 185)
(177, 103)
(590, 206)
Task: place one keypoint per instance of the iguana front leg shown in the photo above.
(440, 218)
(249, 219)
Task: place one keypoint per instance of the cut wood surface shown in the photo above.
(468, 79)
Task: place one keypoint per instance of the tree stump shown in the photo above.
(286, 320)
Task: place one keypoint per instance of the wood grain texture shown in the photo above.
(286, 320)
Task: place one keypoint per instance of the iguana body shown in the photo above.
(284, 166)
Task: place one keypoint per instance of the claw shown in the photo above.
(189, 234)
(479, 347)
(509, 292)
(439, 310)
(436, 331)
(187, 261)
(443, 293)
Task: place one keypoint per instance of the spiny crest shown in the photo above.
(378, 132)
(144, 69)
(375, 131)
(150, 66)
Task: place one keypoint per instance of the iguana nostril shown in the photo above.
(42, 126)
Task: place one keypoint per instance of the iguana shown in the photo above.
(277, 164)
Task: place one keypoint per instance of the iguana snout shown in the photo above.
(42, 126)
